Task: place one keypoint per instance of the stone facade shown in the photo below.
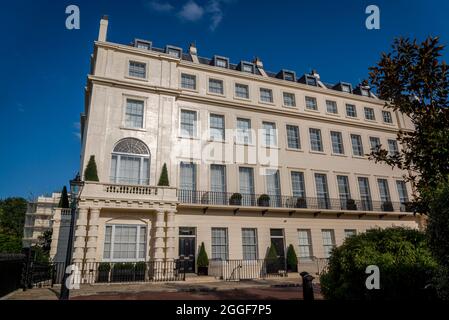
(148, 86)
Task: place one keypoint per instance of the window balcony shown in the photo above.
(125, 192)
(290, 203)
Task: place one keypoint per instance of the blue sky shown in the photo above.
(44, 65)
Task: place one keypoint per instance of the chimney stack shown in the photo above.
(103, 28)
(193, 53)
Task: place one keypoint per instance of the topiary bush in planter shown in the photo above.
(351, 205)
(91, 174)
(273, 263)
(264, 200)
(122, 272)
(163, 179)
(202, 261)
(292, 259)
(103, 271)
(235, 199)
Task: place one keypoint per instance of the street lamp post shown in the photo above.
(76, 186)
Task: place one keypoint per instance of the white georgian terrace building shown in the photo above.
(226, 128)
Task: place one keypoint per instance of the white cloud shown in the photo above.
(160, 6)
(214, 8)
(77, 133)
(191, 11)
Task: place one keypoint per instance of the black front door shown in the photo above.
(187, 245)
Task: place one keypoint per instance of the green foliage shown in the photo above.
(203, 259)
(263, 200)
(140, 266)
(438, 235)
(124, 266)
(91, 174)
(45, 241)
(163, 179)
(235, 199)
(40, 255)
(271, 254)
(402, 255)
(12, 216)
(413, 80)
(10, 243)
(104, 266)
(292, 259)
(64, 200)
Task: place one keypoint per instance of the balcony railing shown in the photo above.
(128, 192)
(279, 201)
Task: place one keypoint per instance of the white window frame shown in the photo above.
(211, 79)
(128, 65)
(111, 251)
(298, 137)
(334, 104)
(309, 245)
(292, 95)
(211, 137)
(310, 98)
(235, 91)
(247, 245)
(271, 95)
(327, 247)
(191, 75)
(196, 125)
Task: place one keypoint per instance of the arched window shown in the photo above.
(130, 162)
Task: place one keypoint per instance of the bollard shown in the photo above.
(307, 285)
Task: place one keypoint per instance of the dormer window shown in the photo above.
(287, 75)
(221, 62)
(142, 44)
(364, 92)
(346, 87)
(247, 67)
(311, 81)
(174, 51)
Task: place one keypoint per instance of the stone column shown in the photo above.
(92, 235)
(80, 235)
(159, 242)
(170, 244)
(55, 234)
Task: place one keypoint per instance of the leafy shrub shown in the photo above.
(104, 266)
(235, 199)
(402, 255)
(264, 200)
(163, 179)
(292, 259)
(91, 174)
(203, 259)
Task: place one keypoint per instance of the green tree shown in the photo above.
(405, 262)
(438, 235)
(45, 241)
(163, 179)
(90, 174)
(292, 259)
(10, 243)
(12, 216)
(64, 200)
(413, 80)
(203, 259)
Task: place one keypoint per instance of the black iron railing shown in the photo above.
(113, 272)
(279, 201)
(236, 270)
